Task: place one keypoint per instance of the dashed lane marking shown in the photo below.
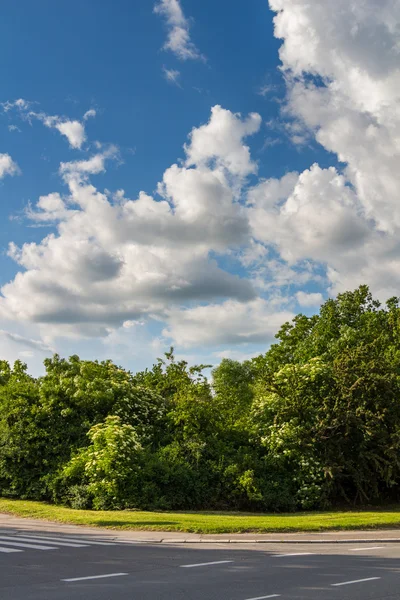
(216, 562)
(355, 581)
(294, 554)
(264, 597)
(94, 577)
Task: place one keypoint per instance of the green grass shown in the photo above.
(206, 522)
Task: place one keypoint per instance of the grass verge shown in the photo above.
(206, 522)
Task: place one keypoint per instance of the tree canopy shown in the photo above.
(313, 422)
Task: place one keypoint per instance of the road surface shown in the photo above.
(57, 566)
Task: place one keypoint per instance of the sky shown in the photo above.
(194, 174)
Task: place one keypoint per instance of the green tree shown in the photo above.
(327, 407)
(109, 465)
(232, 382)
(43, 422)
(24, 433)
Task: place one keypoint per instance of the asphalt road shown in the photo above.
(56, 566)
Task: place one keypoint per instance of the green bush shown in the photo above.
(312, 423)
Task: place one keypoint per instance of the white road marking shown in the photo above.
(38, 540)
(264, 597)
(68, 539)
(8, 550)
(355, 581)
(361, 549)
(216, 562)
(94, 577)
(294, 554)
(25, 545)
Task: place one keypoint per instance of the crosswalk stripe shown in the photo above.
(31, 546)
(68, 539)
(9, 550)
(34, 540)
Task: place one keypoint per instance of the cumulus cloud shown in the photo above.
(231, 322)
(26, 342)
(270, 193)
(90, 166)
(48, 208)
(343, 76)
(320, 216)
(234, 354)
(115, 259)
(309, 300)
(74, 131)
(178, 40)
(8, 166)
(220, 141)
(355, 113)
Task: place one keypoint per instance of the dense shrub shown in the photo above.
(312, 423)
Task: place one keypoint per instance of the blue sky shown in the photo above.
(307, 211)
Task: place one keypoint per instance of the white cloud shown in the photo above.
(229, 323)
(221, 141)
(266, 89)
(320, 217)
(114, 259)
(89, 114)
(19, 104)
(234, 354)
(26, 342)
(171, 75)
(74, 131)
(91, 166)
(356, 112)
(49, 208)
(8, 166)
(270, 193)
(178, 25)
(309, 300)
(343, 76)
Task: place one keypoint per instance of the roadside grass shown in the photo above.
(207, 522)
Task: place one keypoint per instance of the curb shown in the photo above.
(255, 541)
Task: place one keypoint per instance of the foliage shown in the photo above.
(109, 465)
(327, 401)
(314, 422)
(43, 422)
(24, 434)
